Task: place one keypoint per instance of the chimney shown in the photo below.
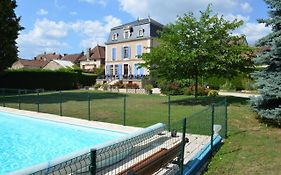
(88, 54)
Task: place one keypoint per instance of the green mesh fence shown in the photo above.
(126, 109)
(200, 122)
(220, 116)
(144, 110)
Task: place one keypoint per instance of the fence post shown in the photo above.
(38, 101)
(212, 127)
(92, 166)
(60, 103)
(182, 145)
(89, 106)
(124, 112)
(225, 118)
(169, 113)
(3, 94)
(19, 104)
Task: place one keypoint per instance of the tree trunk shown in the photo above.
(196, 86)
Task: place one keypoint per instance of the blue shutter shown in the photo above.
(139, 51)
(107, 71)
(122, 52)
(142, 71)
(113, 54)
(129, 52)
(120, 71)
(136, 70)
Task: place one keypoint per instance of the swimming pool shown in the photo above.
(26, 141)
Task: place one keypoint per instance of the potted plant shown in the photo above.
(148, 88)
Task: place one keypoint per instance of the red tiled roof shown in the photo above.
(33, 63)
(74, 58)
(97, 53)
(48, 56)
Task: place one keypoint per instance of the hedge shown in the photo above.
(45, 79)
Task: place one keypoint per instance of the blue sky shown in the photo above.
(71, 26)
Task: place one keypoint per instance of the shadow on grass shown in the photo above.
(55, 97)
(205, 101)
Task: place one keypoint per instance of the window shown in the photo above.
(141, 31)
(126, 34)
(114, 36)
(126, 52)
(111, 69)
(116, 69)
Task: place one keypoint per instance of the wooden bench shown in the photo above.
(154, 162)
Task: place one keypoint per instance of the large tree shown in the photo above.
(268, 105)
(9, 30)
(194, 47)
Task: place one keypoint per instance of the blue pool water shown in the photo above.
(26, 141)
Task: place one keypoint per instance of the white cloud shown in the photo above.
(42, 12)
(254, 31)
(232, 17)
(95, 32)
(246, 7)
(51, 36)
(165, 11)
(101, 2)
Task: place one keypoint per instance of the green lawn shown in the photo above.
(251, 148)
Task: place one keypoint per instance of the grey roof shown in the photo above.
(149, 26)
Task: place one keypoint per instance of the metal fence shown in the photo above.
(145, 152)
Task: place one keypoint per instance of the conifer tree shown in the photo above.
(9, 30)
(268, 105)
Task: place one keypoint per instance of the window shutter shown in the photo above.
(120, 71)
(122, 53)
(113, 54)
(136, 70)
(142, 71)
(129, 52)
(139, 51)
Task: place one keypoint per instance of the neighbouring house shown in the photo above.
(124, 48)
(29, 64)
(94, 58)
(48, 56)
(58, 64)
(74, 58)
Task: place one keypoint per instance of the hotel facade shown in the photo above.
(124, 49)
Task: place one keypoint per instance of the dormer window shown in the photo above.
(141, 31)
(114, 37)
(126, 34)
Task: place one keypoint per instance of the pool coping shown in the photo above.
(71, 120)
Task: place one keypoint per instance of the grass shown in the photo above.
(251, 148)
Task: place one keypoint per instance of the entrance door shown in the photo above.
(126, 70)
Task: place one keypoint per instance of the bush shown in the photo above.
(191, 90)
(170, 88)
(97, 86)
(213, 93)
(228, 86)
(86, 79)
(132, 86)
(44, 79)
(105, 86)
(119, 84)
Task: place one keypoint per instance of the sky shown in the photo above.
(72, 26)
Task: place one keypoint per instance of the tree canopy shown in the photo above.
(268, 83)
(193, 47)
(9, 30)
